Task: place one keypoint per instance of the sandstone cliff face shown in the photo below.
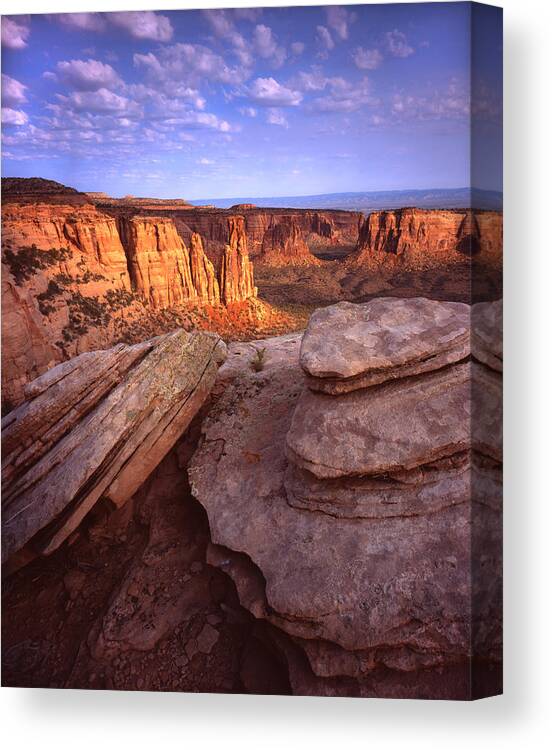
(73, 275)
(236, 274)
(203, 274)
(159, 262)
(332, 227)
(90, 236)
(416, 239)
(284, 245)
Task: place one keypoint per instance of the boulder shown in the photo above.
(348, 346)
(346, 520)
(95, 427)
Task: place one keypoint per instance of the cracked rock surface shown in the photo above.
(346, 520)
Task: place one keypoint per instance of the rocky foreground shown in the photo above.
(329, 523)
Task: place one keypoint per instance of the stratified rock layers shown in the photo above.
(95, 427)
(417, 239)
(236, 273)
(284, 245)
(346, 519)
(71, 274)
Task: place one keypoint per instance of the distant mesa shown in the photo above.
(243, 207)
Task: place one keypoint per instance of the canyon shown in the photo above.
(206, 481)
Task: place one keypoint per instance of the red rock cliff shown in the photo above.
(416, 239)
(74, 276)
(236, 273)
(284, 245)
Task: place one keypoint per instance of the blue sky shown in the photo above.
(258, 102)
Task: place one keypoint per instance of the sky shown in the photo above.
(257, 102)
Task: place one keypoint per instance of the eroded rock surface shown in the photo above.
(95, 427)
(348, 346)
(355, 542)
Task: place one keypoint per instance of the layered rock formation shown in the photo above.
(284, 245)
(236, 273)
(361, 522)
(160, 265)
(333, 227)
(416, 239)
(95, 427)
(74, 276)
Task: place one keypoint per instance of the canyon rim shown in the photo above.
(250, 443)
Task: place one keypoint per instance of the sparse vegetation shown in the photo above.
(84, 312)
(45, 298)
(258, 360)
(116, 299)
(26, 261)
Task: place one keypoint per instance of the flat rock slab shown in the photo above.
(348, 346)
(394, 427)
(124, 411)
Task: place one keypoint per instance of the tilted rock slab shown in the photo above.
(95, 427)
(348, 346)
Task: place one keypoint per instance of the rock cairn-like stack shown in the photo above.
(359, 516)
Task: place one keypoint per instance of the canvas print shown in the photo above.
(252, 350)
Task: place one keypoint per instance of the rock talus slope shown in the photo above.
(351, 520)
(95, 427)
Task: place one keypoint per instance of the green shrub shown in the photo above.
(258, 360)
(45, 298)
(27, 261)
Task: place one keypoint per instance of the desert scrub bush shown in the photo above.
(45, 298)
(258, 359)
(84, 312)
(116, 299)
(26, 261)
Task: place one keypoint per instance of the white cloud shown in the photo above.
(339, 19)
(13, 92)
(143, 24)
(223, 27)
(276, 117)
(13, 116)
(188, 65)
(248, 111)
(100, 101)
(324, 38)
(343, 96)
(297, 48)
(14, 33)
(203, 121)
(81, 21)
(266, 45)
(397, 44)
(267, 92)
(316, 80)
(87, 75)
(139, 24)
(205, 161)
(449, 103)
(367, 59)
